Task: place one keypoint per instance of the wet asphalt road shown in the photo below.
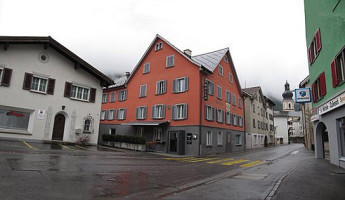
(55, 171)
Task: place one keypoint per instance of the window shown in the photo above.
(254, 123)
(240, 121)
(255, 139)
(319, 87)
(157, 134)
(5, 76)
(220, 116)
(39, 84)
(338, 69)
(259, 124)
(239, 102)
(220, 70)
(228, 118)
(209, 113)
(220, 138)
(146, 68)
(210, 87)
(111, 115)
(161, 87)
(219, 92)
(112, 131)
(121, 114)
(227, 97)
(140, 131)
(87, 123)
(253, 108)
(158, 111)
(103, 115)
(112, 97)
(226, 58)
(159, 46)
(104, 98)
(11, 119)
(143, 90)
(80, 93)
(230, 77)
(238, 140)
(170, 61)
(180, 85)
(235, 120)
(141, 112)
(179, 111)
(315, 47)
(234, 99)
(76, 92)
(341, 127)
(122, 96)
(209, 138)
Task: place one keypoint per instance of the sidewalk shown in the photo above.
(313, 179)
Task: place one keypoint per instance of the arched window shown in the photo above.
(289, 106)
(87, 123)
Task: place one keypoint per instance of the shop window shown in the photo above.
(11, 119)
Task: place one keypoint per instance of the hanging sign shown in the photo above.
(302, 95)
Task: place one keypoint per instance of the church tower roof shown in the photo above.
(287, 94)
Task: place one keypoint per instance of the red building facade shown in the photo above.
(186, 104)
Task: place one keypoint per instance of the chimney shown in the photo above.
(188, 52)
(128, 74)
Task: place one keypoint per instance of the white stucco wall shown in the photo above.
(281, 128)
(25, 58)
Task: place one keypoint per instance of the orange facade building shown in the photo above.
(187, 105)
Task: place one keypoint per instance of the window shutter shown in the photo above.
(145, 112)
(157, 87)
(213, 113)
(322, 84)
(206, 112)
(185, 111)
(186, 83)
(106, 115)
(6, 77)
(313, 92)
(153, 114)
(92, 94)
(27, 81)
(310, 55)
(334, 73)
(125, 112)
(174, 86)
(51, 86)
(163, 111)
(118, 114)
(173, 112)
(137, 113)
(164, 86)
(318, 40)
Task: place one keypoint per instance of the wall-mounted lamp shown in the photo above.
(63, 107)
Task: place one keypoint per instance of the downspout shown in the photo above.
(200, 117)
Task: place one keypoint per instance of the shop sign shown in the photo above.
(302, 95)
(332, 104)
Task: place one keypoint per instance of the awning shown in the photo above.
(151, 123)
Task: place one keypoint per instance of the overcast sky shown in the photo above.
(266, 38)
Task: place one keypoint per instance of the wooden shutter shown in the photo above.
(206, 112)
(145, 112)
(6, 77)
(157, 87)
(125, 113)
(322, 84)
(213, 113)
(185, 111)
(173, 112)
(310, 56)
(153, 114)
(313, 90)
(51, 86)
(92, 94)
(68, 87)
(163, 111)
(137, 113)
(164, 86)
(27, 81)
(334, 73)
(318, 40)
(186, 83)
(174, 86)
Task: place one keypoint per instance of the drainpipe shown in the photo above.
(200, 117)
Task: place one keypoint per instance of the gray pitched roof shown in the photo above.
(210, 60)
(119, 82)
(251, 91)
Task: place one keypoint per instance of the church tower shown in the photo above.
(288, 102)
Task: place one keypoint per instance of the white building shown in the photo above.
(47, 92)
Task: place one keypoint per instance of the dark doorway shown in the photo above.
(181, 142)
(59, 127)
(265, 141)
(173, 142)
(228, 142)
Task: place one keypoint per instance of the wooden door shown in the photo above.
(59, 127)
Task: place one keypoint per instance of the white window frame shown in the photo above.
(179, 110)
(104, 98)
(228, 118)
(234, 99)
(102, 116)
(209, 138)
(219, 92)
(209, 116)
(158, 46)
(122, 95)
(143, 90)
(239, 102)
(82, 92)
(161, 87)
(158, 111)
(1, 72)
(142, 112)
(210, 86)
(157, 134)
(140, 131)
(146, 68)
(230, 77)
(111, 115)
(220, 138)
(226, 59)
(240, 121)
(220, 116)
(220, 70)
(39, 84)
(112, 97)
(170, 61)
(180, 85)
(238, 142)
(121, 114)
(227, 96)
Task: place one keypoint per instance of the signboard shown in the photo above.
(40, 114)
(189, 138)
(332, 104)
(302, 95)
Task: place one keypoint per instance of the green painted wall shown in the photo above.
(320, 14)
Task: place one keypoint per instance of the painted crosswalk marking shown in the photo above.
(251, 164)
(235, 162)
(28, 145)
(220, 161)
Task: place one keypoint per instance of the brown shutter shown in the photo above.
(313, 90)
(68, 86)
(51, 86)
(27, 81)
(310, 55)
(334, 73)
(6, 77)
(92, 95)
(322, 84)
(318, 40)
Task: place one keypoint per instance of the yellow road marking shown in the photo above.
(178, 159)
(28, 145)
(200, 159)
(234, 162)
(219, 161)
(65, 147)
(252, 163)
(80, 147)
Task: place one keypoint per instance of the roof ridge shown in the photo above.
(227, 48)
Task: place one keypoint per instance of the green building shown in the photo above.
(325, 37)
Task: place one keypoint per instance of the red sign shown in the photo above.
(16, 114)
